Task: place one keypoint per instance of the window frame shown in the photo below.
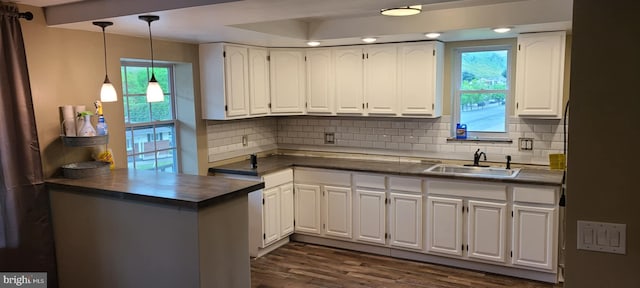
(152, 124)
(456, 92)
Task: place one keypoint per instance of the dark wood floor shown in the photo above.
(305, 265)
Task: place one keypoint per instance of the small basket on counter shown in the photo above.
(85, 169)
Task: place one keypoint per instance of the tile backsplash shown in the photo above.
(383, 136)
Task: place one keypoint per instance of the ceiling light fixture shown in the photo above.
(432, 35)
(154, 91)
(369, 39)
(402, 11)
(313, 43)
(502, 29)
(107, 92)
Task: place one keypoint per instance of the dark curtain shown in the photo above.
(26, 238)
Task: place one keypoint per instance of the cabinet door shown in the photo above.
(337, 211)
(540, 74)
(271, 216)
(319, 81)
(236, 84)
(486, 232)
(348, 80)
(381, 78)
(420, 86)
(258, 81)
(534, 234)
(287, 81)
(307, 208)
(371, 216)
(286, 209)
(406, 220)
(444, 225)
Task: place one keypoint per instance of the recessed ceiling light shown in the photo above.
(402, 11)
(432, 35)
(313, 43)
(369, 39)
(502, 29)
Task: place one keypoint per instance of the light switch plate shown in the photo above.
(602, 237)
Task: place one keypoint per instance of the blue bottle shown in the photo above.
(101, 127)
(461, 131)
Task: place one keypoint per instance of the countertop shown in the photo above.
(181, 190)
(274, 163)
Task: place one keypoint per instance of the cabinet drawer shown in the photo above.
(405, 184)
(467, 189)
(541, 195)
(369, 181)
(278, 178)
(324, 177)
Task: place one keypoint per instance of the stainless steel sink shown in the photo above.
(492, 172)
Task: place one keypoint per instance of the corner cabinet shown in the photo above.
(288, 78)
(540, 74)
(234, 81)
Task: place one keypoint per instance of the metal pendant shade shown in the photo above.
(107, 92)
(154, 91)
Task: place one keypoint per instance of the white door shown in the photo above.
(371, 216)
(258, 81)
(337, 211)
(444, 225)
(236, 81)
(319, 81)
(307, 208)
(486, 232)
(406, 220)
(540, 74)
(419, 87)
(271, 216)
(381, 78)
(287, 74)
(286, 209)
(348, 80)
(533, 236)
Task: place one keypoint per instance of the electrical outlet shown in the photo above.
(525, 144)
(245, 140)
(329, 138)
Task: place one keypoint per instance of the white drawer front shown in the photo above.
(405, 184)
(541, 195)
(333, 177)
(468, 189)
(278, 178)
(369, 181)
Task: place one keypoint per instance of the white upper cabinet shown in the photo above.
(421, 76)
(319, 81)
(381, 79)
(348, 80)
(287, 72)
(224, 80)
(540, 74)
(258, 81)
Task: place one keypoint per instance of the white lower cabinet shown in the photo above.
(405, 220)
(271, 212)
(371, 216)
(464, 227)
(337, 211)
(307, 208)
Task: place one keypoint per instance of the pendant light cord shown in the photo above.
(151, 44)
(104, 43)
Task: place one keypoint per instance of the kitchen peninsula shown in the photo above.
(151, 229)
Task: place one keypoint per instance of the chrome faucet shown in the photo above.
(476, 157)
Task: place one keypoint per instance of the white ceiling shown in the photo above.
(291, 23)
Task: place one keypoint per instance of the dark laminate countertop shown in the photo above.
(187, 191)
(274, 163)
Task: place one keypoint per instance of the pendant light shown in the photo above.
(107, 92)
(154, 91)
